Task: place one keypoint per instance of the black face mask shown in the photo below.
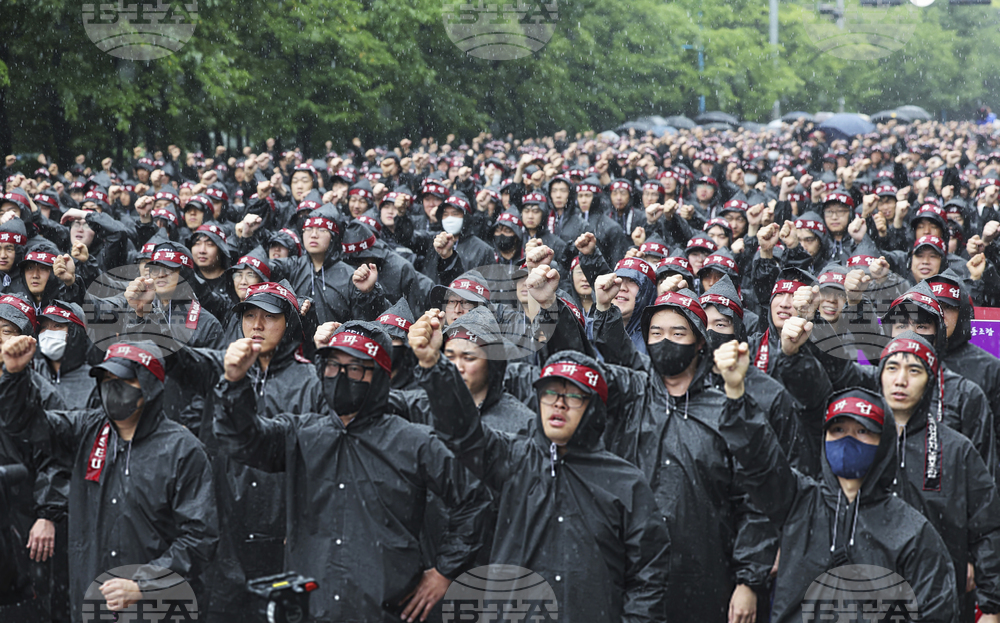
(715, 340)
(119, 399)
(670, 358)
(399, 356)
(345, 395)
(505, 243)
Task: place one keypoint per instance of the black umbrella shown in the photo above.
(717, 125)
(680, 122)
(638, 126)
(916, 113)
(716, 116)
(795, 115)
(887, 115)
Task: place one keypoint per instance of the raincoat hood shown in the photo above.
(364, 340)
(950, 288)
(480, 326)
(270, 297)
(566, 364)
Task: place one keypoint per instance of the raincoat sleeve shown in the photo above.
(593, 266)
(806, 380)
(925, 563)
(764, 470)
(840, 371)
(250, 439)
(22, 416)
(468, 506)
(486, 453)
(763, 275)
(368, 305)
(983, 505)
(196, 518)
(51, 230)
(647, 549)
(756, 543)
(114, 251)
(977, 424)
(613, 342)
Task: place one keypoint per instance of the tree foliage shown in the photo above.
(312, 70)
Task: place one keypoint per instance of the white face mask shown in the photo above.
(750, 178)
(452, 224)
(52, 344)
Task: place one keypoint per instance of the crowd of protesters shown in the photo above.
(678, 377)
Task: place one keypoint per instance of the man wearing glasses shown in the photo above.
(357, 481)
(464, 294)
(582, 518)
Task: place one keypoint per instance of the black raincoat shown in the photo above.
(585, 521)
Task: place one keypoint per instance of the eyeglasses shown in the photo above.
(573, 401)
(355, 372)
(837, 212)
(460, 303)
(155, 270)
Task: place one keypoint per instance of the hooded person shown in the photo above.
(162, 501)
(590, 214)
(539, 219)
(105, 237)
(665, 421)
(726, 322)
(348, 441)
(322, 275)
(39, 280)
(941, 474)
(961, 404)
(766, 347)
(453, 217)
(837, 212)
(637, 292)
(247, 270)
(63, 346)
(509, 237)
(396, 276)
(625, 206)
(397, 321)
(360, 199)
(475, 345)
(166, 300)
(13, 242)
(575, 514)
(283, 243)
(847, 515)
(212, 255)
(961, 356)
(18, 201)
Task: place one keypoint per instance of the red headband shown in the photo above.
(471, 286)
(507, 217)
(918, 298)
(810, 224)
(583, 375)
(62, 312)
(858, 260)
(364, 345)
(575, 311)
(943, 290)
(212, 229)
(259, 265)
(362, 192)
(167, 214)
(357, 247)
(716, 299)
(397, 321)
(172, 257)
(588, 188)
(621, 185)
(654, 247)
(786, 285)
(275, 289)
(855, 406)
(9, 236)
(634, 263)
(41, 257)
(26, 309)
(679, 262)
(702, 243)
(370, 222)
(714, 260)
(460, 203)
(831, 277)
(933, 241)
(138, 355)
(319, 221)
(687, 302)
(913, 347)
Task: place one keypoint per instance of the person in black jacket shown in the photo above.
(356, 481)
(63, 350)
(141, 485)
(848, 515)
(582, 518)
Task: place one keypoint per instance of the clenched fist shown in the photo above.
(425, 338)
(240, 356)
(17, 353)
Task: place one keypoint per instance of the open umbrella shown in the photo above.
(887, 115)
(752, 126)
(716, 116)
(846, 125)
(680, 121)
(795, 115)
(660, 130)
(916, 113)
(716, 125)
(640, 127)
(653, 120)
(608, 135)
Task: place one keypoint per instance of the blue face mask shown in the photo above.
(850, 458)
